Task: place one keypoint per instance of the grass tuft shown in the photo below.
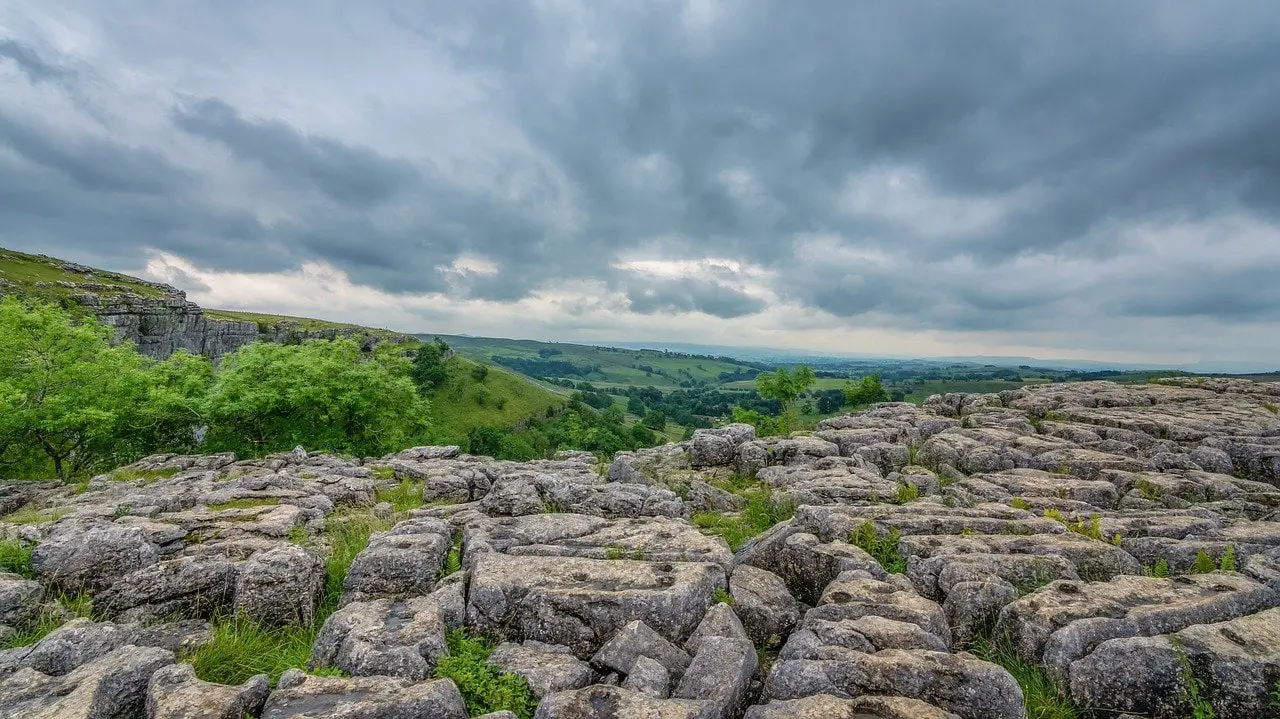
(883, 550)
(408, 494)
(31, 514)
(146, 476)
(1042, 698)
(242, 648)
(760, 513)
(247, 503)
(15, 557)
(484, 687)
(50, 619)
(908, 493)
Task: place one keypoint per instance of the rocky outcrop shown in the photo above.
(1120, 540)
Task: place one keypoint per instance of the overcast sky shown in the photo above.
(1057, 179)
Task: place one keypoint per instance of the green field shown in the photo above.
(610, 367)
(502, 399)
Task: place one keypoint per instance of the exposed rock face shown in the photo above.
(1124, 538)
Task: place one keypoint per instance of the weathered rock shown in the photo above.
(281, 586)
(19, 599)
(719, 621)
(174, 692)
(581, 603)
(720, 673)
(599, 701)
(649, 677)
(386, 637)
(958, 683)
(301, 696)
(637, 640)
(1234, 665)
(92, 557)
(1065, 621)
(403, 561)
(548, 668)
(825, 706)
(761, 600)
(194, 586)
(113, 686)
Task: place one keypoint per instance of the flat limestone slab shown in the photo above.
(581, 603)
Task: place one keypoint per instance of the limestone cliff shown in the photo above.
(157, 317)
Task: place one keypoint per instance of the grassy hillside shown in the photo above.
(500, 399)
(38, 276)
(601, 366)
(308, 324)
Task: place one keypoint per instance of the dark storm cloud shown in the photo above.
(346, 174)
(993, 158)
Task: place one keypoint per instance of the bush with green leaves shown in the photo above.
(322, 394)
(484, 687)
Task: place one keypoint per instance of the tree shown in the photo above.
(65, 392)
(429, 369)
(868, 390)
(786, 387)
(174, 406)
(321, 395)
(655, 419)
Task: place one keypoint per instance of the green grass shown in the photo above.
(761, 512)
(483, 686)
(242, 648)
(908, 493)
(247, 503)
(722, 597)
(501, 399)
(35, 515)
(883, 549)
(24, 271)
(146, 476)
(48, 620)
(1042, 698)
(15, 557)
(406, 495)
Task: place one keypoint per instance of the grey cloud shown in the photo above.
(597, 130)
(347, 174)
(691, 295)
(30, 61)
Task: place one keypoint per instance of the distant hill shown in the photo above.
(603, 367)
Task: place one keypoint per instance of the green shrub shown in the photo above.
(483, 686)
(1227, 562)
(722, 597)
(1019, 503)
(1160, 570)
(453, 560)
(908, 493)
(883, 550)
(1204, 564)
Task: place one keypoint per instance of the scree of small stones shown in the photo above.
(1073, 550)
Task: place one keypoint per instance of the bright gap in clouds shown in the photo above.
(585, 311)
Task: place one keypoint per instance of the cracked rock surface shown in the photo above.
(1121, 539)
